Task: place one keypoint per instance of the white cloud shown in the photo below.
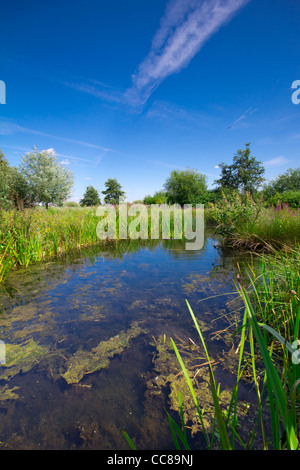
(87, 178)
(65, 162)
(51, 150)
(184, 29)
(277, 161)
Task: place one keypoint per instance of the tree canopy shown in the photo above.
(185, 187)
(244, 174)
(288, 181)
(5, 182)
(159, 197)
(113, 191)
(14, 189)
(91, 197)
(49, 181)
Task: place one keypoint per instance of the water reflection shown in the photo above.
(87, 342)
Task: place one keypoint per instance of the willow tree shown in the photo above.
(49, 181)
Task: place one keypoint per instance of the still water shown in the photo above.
(88, 351)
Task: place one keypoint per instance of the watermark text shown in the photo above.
(160, 220)
(2, 92)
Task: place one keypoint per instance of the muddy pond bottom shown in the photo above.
(88, 352)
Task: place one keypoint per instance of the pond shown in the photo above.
(87, 342)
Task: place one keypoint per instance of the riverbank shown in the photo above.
(247, 223)
(36, 234)
(270, 290)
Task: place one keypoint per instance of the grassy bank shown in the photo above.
(245, 222)
(270, 331)
(33, 235)
(36, 234)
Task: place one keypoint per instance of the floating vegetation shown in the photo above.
(53, 317)
(169, 376)
(8, 393)
(86, 362)
(197, 283)
(92, 313)
(21, 358)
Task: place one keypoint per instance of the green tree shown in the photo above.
(288, 181)
(14, 188)
(5, 183)
(244, 174)
(113, 191)
(159, 197)
(91, 197)
(49, 181)
(21, 193)
(185, 187)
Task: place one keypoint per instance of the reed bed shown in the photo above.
(36, 234)
(246, 222)
(33, 235)
(276, 226)
(270, 329)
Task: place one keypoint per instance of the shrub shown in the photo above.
(292, 198)
(71, 204)
(234, 210)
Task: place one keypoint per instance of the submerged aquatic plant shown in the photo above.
(87, 362)
(282, 396)
(19, 357)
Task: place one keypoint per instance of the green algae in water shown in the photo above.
(8, 393)
(21, 357)
(169, 377)
(87, 362)
(74, 316)
(92, 313)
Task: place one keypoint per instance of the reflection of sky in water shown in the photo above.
(81, 301)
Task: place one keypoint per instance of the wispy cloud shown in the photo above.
(184, 29)
(277, 161)
(98, 90)
(243, 116)
(7, 128)
(172, 166)
(163, 110)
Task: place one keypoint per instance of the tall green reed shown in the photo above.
(282, 401)
(34, 234)
(270, 327)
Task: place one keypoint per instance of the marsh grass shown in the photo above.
(35, 234)
(274, 227)
(274, 289)
(245, 221)
(270, 327)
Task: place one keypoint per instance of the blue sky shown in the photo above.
(131, 89)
